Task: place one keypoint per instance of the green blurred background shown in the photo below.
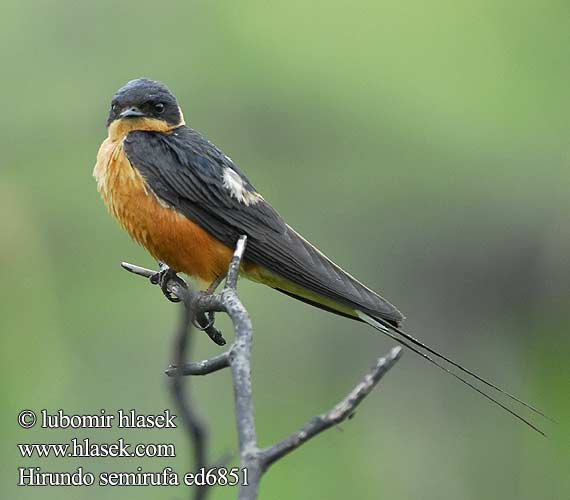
(422, 145)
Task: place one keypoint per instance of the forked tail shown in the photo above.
(410, 341)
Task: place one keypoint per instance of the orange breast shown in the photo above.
(168, 235)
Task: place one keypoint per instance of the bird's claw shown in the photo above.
(208, 323)
(202, 321)
(162, 278)
(205, 322)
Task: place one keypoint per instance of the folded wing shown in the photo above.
(191, 175)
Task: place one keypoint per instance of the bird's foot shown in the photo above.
(205, 322)
(163, 277)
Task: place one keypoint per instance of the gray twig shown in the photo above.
(343, 410)
(203, 367)
(192, 421)
(237, 358)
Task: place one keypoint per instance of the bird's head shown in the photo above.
(143, 104)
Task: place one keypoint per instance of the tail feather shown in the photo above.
(388, 329)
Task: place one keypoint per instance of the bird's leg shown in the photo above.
(215, 284)
(205, 321)
(162, 277)
(202, 321)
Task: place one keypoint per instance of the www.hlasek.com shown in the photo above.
(87, 448)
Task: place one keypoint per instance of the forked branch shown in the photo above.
(237, 358)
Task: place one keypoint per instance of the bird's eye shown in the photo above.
(114, 107)
(159, 107)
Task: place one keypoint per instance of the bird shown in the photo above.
(187, 203)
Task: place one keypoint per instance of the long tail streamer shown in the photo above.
(388, 329)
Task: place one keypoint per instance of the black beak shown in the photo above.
(132, 112)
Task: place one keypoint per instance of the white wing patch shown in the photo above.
(235, 185)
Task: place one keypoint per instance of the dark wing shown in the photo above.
(186, 171)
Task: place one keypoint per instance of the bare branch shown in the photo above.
(204, 367)
(190, 418)
(196, 305)
(235, 264)
(241, 375)
(141, 271)
(343, 410)
(196, 428)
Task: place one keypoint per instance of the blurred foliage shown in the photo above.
(422, 145)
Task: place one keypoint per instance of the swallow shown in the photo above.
(187, 203)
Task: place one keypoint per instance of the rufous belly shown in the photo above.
(167, 234)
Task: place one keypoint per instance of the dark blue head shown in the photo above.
(144, 98)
